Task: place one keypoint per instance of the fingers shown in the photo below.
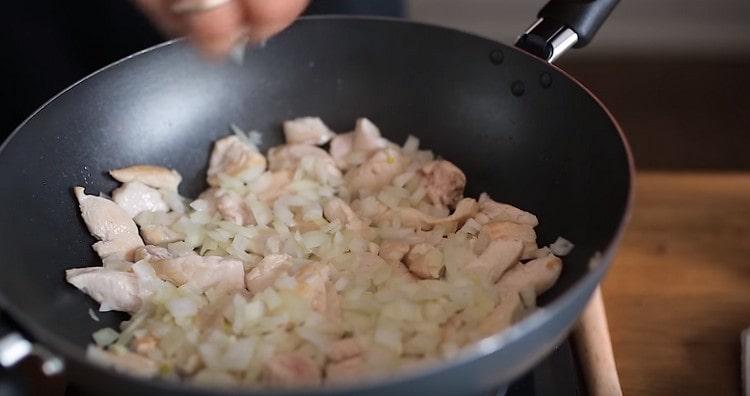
(266, 18)
(216, 30)
(160, 13)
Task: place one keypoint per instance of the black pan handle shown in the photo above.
(564, 24)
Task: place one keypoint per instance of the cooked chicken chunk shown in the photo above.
(234, 209)
(496, 259)
(350, 149)
(291, 369)
(202, 272)
(150, 252)
(290, 156)
(271, 185)
(145, 344)
(150, 175)
(451, 330)
(157, 234)
(341, 146)
(266, 271)
(337, 210)
(114, 290)
(233, 157)
(444, 182)
(540, 274)
(412, 217)
(505, 230)
(425, 261)
(375, 173)
(393, 250)
(343, 349)
(495, 211)
(349, 370)
(307, 130)
(366, 137)
(229, 204)
(504, 315)
(111, 224)
(136, 197)
(312, 281)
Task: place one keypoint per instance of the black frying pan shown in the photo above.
(520, 128)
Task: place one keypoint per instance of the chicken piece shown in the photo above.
(124, 361)
(150, 175)
(151, 252)
(144, 344)
(312, 283)
(425, 261)
(229, 204)
(450, 330)
(366, 137)
(375, 173)
(114, 290)
(307, 130)
(346, 371)
(393, 250)
(291, 369)
(496, 259)
(341, 146)
(369, 208)
(288, 156)
(411, 217)
(291, 156)
(108, 222)
(343, 349)
(444, 182)
(265, 273)
(158, 234)
(495, 211)
(233, 208)
(202, 272)
(233, 157)
(337, 210)
(136, 197)
(540, 274)
(502, 317)
(271, 185)
(401, 272)
(506, 230)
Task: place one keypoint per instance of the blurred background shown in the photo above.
(674, 72)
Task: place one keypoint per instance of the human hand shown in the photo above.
(215, 26)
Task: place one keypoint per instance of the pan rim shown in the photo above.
(482, 348)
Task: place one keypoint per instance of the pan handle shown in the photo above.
(563, 24)
(15, 347)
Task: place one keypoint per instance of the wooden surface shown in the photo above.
(678, 295)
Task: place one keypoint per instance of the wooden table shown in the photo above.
(678, 294)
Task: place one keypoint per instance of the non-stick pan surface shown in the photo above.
(520, 129)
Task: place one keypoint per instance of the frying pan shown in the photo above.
(520, 129)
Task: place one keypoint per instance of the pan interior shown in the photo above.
(520, 130)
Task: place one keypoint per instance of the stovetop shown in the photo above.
(557, 375)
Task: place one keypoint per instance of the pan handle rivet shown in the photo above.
(497, 57)
(545, 80)
(517, 88)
